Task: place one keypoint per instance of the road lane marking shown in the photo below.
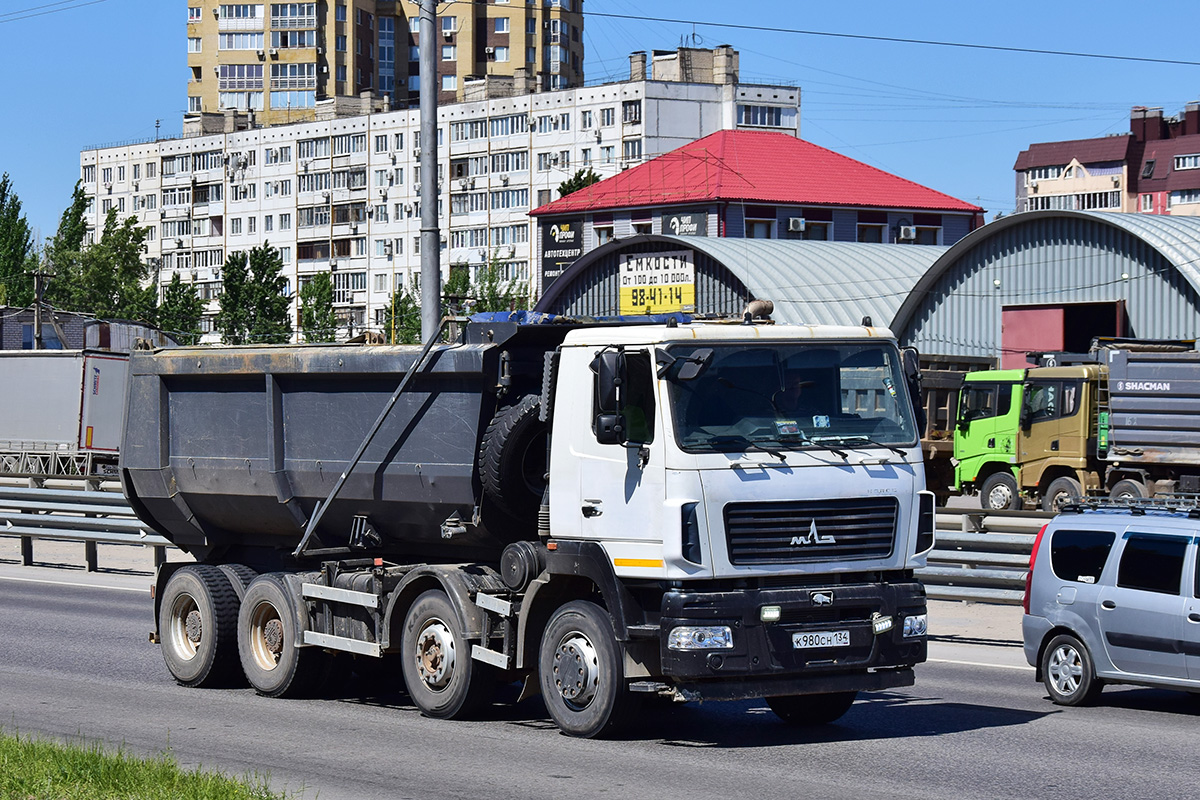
(1022, 667)
(79, 585)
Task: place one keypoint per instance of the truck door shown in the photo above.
(621, 486)
(1140, 613)
(1041, 431)
(986, 427)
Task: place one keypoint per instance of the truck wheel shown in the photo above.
(267, 634)
(441, 677)
(1128, 489)
(581, 674)
(1060, 492)
(512, 459)
(812, 709)
(198, 622)
(1000, 493)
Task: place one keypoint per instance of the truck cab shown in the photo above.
(1027, 435)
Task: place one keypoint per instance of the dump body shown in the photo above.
(1154, 408)
(235, 447)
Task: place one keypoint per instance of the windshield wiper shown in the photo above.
(756, 444)
(848, 440)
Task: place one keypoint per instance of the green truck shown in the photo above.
(1125, 425)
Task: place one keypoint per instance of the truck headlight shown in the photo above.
(916, 625)
(700, 637)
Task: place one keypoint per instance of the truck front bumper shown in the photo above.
(777, 658)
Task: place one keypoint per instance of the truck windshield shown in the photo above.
(773, 396)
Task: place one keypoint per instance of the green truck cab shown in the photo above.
(1028, 436)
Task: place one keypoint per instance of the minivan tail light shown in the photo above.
(1037, 542)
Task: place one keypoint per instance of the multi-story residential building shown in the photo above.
(1153, 169)
(280, 60)
(343, 195)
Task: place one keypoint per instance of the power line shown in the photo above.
(897, 40)
(30, 13)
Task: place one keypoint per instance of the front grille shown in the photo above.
(796, 532)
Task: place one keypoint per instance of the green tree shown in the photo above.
(582, 179)
(64, 250)
(180, 312)
(456, 291)
(254, 309)
(402, 319)
(108, 279)
(494, 294)
(318, 320)
(17, 254)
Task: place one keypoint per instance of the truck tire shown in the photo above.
(812, 709)
(197, 618)
(1128, 489)
(266, 634)
(442, 679)
(580, 669)
(512, 460)
(1060, 492)
(1000, 493)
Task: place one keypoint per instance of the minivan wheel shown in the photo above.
(1067, 671)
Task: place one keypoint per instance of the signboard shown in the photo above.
(562, 243)
(657, 283)
(688, 223)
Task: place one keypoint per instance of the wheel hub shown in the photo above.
(435, 655)
(193, 626)
(1000, 497)
(1065, 670)
(576, 669)
(273, 637)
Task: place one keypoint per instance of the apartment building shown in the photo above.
(1152, 169)
(342, 195)
(279, 61)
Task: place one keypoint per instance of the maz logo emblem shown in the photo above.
(812, 537)
(821, 598)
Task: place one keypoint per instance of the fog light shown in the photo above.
(881, 624)
(916, 625)
(770, 613)
(708, 637)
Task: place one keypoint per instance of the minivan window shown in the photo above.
(1152, 563)
(1080, 555)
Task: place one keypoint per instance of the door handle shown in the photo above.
(1054, 445)
(592, 508)
(1108, 605)
(1193, 617)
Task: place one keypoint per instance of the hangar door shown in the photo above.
(1069, 327)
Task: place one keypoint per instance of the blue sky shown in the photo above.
(91, 72)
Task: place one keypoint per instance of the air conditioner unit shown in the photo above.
(408, 208)
(462, 184)
(599, 136)
(274, 53)
(382, 192)
(504, 179)
(135, 186)
(553, 159)
(417, 188)
(216, 273)
(908, 233)
(179, 242)
(333, 264)
(393, 158)
(1116, 180)
(216, 11)
(447, 34)
(162, 214)
(1033, 185)
(471, 183)
(416, 152)
(387, 248)
(324, 70)
(195, 274)
(325, 195)
(261, 54)
(320, 51)
(796, 224)
(354, 227)
(491, 51)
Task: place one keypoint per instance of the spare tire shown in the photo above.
(512, 460)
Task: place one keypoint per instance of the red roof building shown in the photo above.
(1153, 169)
(750, 184)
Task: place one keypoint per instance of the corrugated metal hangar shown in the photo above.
(1039, 281)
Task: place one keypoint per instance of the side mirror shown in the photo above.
(609, 369)
(910, 361)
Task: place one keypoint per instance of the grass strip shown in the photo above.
(38, 769)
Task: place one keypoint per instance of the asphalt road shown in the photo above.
(75, 662)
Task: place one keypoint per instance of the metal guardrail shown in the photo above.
(74, 516)
(979, 556)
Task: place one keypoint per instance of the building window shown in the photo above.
(1147, 202)
(631, 150)
(761, 116)
(1045, 173)
(870, 233)
(235, 226)
(449, 52)
(1183, 197)
(502, 55)
(194, 44)
(608, 117)
(449, 83)
(1148, 169)
(449, 24)
(631, 111)
(608, 154)
(340, 13)
(501, 24)
(530, 54)
(604, 235)
(760, 229)
(240, 41)
(195, 14)
(1191, 161)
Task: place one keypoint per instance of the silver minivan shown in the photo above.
(1113, 596)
